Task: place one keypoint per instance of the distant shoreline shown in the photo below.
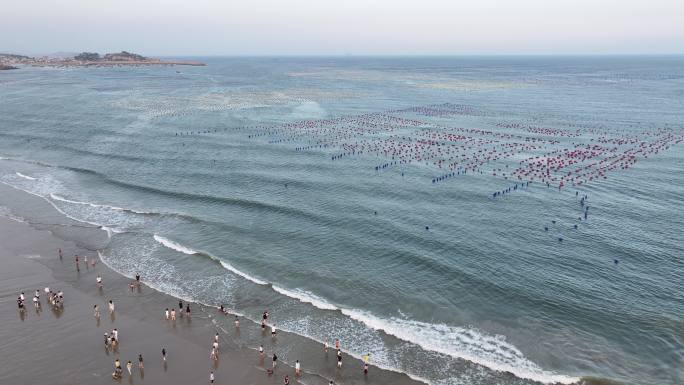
(70, 63)
(90, 59)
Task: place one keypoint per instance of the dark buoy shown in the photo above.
(575, 227)
(616, 261)
(554, 222)
(427, 228)
(560, 239)
(375, 212)
(546, 228)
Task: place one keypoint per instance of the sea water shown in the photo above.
(231, 184)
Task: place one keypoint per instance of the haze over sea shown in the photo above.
(313, 187)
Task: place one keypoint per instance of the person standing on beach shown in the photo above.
(365, 368)
(99, 281)
(60, 254)
(77, 266)
(211, 377)
(261, 351)
(137, 279)
(237, 322)
(275, 360)
(140, 362)
(180, 306)
(173, 314)
(287, 380)
(129, 366)
(273, 330)
(339, 359)
(337, 344)
(187, 309)
(38, 294)
(164, 354)
(325, 346)
(166, 313)
(96, 311)
(298, 368)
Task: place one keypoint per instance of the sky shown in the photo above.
(343, 27)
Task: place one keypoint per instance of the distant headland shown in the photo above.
(89, 59)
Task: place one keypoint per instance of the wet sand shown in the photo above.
(67, 347)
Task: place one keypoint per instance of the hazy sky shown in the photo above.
(321, 27)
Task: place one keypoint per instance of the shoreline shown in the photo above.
(143, 312)
(119, 63)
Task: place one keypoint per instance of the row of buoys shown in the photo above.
(575, 154)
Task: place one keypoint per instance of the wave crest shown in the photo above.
(174, 245)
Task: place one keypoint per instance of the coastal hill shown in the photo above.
(87, 59)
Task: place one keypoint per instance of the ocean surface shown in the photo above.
(399, 204)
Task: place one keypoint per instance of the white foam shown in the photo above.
(111, 231)
(51, 203)
(160, 285)
(305, 296)
(24, 176)
(174, 245)
(115, 208)
(470, 344)
(231, 268)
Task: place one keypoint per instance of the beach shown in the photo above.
(66, 346)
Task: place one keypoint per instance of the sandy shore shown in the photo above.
(67, 347)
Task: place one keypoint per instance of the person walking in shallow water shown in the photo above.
(141, 366)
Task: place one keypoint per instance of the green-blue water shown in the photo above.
(255, 163)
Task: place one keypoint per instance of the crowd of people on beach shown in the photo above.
(54, 299)
(112, 338)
